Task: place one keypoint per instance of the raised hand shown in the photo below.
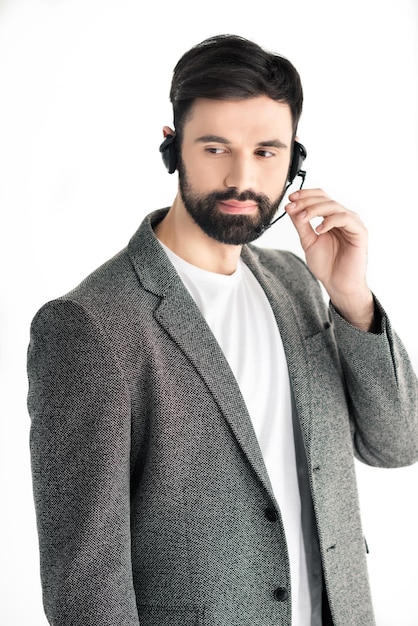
(336, 252)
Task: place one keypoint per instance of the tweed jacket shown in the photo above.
(153, 503)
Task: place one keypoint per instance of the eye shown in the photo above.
(265, 154)
(215, 150)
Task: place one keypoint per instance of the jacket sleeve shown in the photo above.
(383, 393)
(79, 406)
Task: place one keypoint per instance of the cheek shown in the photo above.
(205, 177)
(274, 183)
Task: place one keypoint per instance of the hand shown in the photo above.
(336, 252)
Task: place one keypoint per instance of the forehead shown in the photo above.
(255, 119)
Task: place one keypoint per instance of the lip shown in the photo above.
(235, 207)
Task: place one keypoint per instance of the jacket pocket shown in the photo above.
(151, 615)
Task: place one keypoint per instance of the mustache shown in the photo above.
(232, 194)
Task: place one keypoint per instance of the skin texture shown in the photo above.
(246, 145)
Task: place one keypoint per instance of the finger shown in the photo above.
(301, 194)
(306, 232)
(310, 208)
(346, 221)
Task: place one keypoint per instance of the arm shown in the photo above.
(80, 448)
(382, 386)
(383, 391)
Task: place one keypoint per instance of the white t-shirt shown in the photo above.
(240, 317)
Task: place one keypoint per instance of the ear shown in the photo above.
(168, 131)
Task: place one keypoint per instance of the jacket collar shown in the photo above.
(150, 262)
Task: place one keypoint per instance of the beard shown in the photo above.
(225, 228)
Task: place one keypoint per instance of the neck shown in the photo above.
(185, 238)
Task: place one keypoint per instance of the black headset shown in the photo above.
(169, 155)
(299, 154)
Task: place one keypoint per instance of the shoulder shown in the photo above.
(120, 284)
(106, 287)
(105, 303)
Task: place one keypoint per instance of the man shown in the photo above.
(196, 404)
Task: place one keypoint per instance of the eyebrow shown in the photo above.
(271, 143)
(212, 138)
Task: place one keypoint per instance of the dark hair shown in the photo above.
(232, 67)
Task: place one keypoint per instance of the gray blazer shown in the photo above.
(153, 502)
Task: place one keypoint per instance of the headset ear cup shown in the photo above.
(169, 153)
(298, 156)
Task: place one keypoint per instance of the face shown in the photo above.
(233, 166)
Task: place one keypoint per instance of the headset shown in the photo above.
(169, 155)
(299, 154)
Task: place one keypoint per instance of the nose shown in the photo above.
(240, 175)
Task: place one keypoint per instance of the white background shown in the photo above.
(83, 97)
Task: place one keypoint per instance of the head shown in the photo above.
(238, 97)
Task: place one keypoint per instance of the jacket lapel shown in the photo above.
(180, 317)
(192, 335)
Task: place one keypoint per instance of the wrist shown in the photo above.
(357, 309)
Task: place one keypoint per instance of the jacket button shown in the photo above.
(281, 594)
(271, 514)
